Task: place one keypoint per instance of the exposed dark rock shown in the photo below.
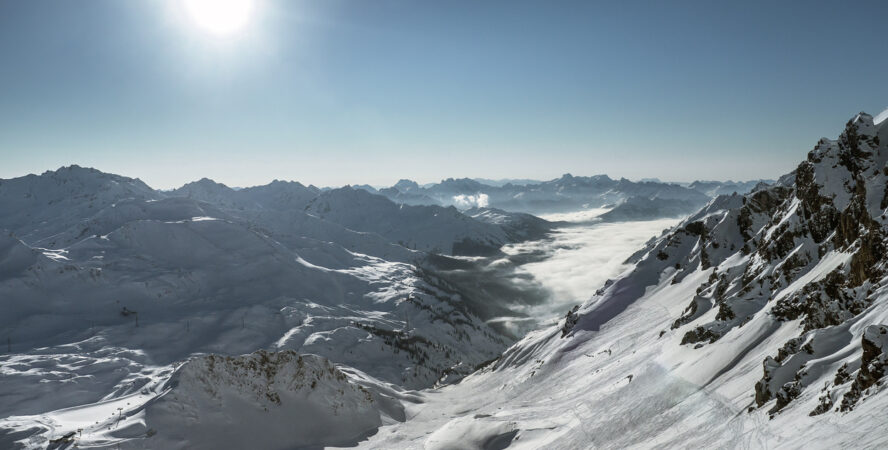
(696, 228)
(872, 364)
(822, 304)
(700, 334)
(786, 394)
(842, 375)
(570, 320)
(817, 210)
(826, 403)
(762, 393)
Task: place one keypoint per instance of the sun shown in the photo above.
(220, 16)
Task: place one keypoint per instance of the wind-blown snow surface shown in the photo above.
(881, 117)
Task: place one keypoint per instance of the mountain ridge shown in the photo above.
(757, 321)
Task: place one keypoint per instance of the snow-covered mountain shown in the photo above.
(758, 322)
(281, 400)
(518, 226)
(716, 188)
(426, 228)
(108, 284)
(275, 195)
(644, 208)
(568, 193)
(37, 208)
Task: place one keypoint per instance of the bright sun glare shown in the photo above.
(220, 16)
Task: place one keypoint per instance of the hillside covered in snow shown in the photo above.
(108, 285)
(758, 322)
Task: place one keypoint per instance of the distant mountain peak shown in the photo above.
(206, 180)
(72, 168)
(74, 171)
(405, 185)
(204, 183)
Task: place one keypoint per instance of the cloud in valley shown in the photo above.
(470, 201)
(582, 258)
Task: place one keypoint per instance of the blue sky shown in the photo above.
(332, 92)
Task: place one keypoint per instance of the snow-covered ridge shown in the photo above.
(261, 400)
(758, 322)
(809, 257)
(59, 208)
(881, 117)
(426, 228)
(566, 194)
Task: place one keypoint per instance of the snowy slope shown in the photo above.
(212, 285)
(518, 226)
(355, 218)
(643, 208)
(759, 322)
(263, 400)
(37, 208)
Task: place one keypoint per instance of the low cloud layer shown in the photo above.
(470, 201)
(582, 258)
(538, 281)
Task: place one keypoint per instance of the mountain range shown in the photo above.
(643, 200)
(286, 315)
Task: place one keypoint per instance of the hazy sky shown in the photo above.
(331, 92)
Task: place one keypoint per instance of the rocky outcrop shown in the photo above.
(265, 399)
(873, 360)
(570, 320)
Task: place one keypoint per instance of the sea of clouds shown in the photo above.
(581, 257)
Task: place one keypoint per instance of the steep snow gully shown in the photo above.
(289, 316)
